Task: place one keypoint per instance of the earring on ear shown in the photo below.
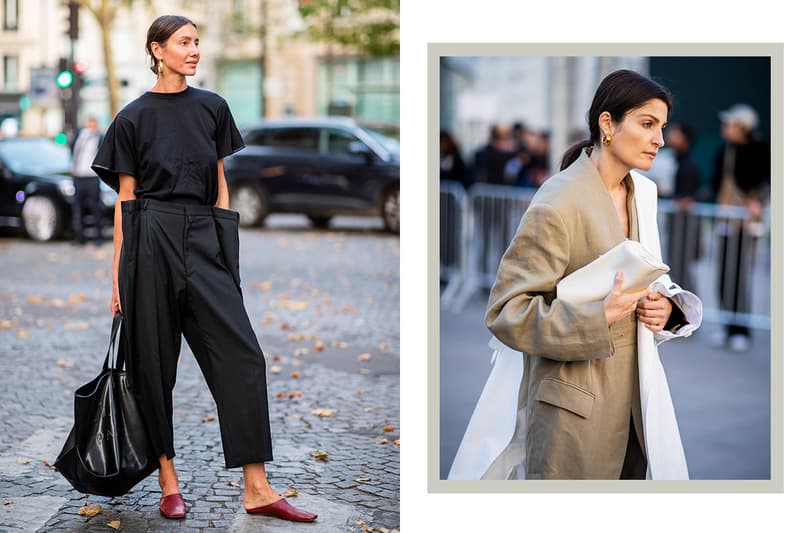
(607, 139)
(160, 67)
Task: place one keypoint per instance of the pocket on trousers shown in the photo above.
(566, 396)
(227, 227)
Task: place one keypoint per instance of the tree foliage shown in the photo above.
(371, 27)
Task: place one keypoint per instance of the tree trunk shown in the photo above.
(106, 20)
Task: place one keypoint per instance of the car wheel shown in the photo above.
(251, 204)
(319, 222)
(41, 218)
(391, 210)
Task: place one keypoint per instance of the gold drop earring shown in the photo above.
(160, 67)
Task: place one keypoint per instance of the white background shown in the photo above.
(505, 21)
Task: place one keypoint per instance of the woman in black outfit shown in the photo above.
(176, 265)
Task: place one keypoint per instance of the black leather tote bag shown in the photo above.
(108, 451)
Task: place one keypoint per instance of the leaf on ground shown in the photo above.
(360, 391)
(295, 374)
(277, 359)
(235, 484)
(396, 443)
(319, 346)
(63, 363)
(319, 455)
(350, 309)
(364, 357)
(339, 344)
(75, 298)
(286, 327)
(363, 479)
(383, 347)
(209, 418)
(300, 351)
(275, 369)
(322, 412)
(6, 324)
(75, 326)
(291, 492)
(90, 509)
(369, 409)
(6, 501)
(114, 524)
(388, 429)
(293, 305)
(23, 334)
(381, 441)
(36, 300)
(58, 303)
(295, 394)
(281, 395)
(48, 464)
(265, 286)
(23, 460)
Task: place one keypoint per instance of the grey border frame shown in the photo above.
(775, 52)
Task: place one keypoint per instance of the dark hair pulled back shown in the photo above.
(160, 31)
(618, 93)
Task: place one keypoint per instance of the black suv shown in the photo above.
(318, 167)
(36, 188)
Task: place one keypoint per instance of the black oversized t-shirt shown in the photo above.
(170, 142)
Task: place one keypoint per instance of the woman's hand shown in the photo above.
(619, 304)
(115, 306)
(654, 311)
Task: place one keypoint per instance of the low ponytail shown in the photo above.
(573, 152)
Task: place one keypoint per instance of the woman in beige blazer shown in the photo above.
(584, 415)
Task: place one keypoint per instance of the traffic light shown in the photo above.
(72, 20)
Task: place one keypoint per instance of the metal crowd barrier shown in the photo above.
(477, 225)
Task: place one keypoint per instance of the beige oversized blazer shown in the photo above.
(582, 381)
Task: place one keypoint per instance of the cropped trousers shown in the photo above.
(179, 274)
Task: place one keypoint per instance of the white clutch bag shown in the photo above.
(594, 281)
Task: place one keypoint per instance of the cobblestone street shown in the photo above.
(325, 307)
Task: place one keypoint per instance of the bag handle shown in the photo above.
(113, 346)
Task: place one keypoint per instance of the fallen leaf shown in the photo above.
(57, 303)
(277, 358)
(265, 285)
(292, 305)
(74, 326)
(300, 351)
(6, 324)
(291, 492)
(286, 327)
(388, 429)
(360, 391)
(90, 509)
(48, 464)
(350, 309)
(382, 441)
(322, 412)
(75, 298)
(266, 321)
(235, 484)
(63, 363)
(114, 524)
(281, 395)
(35, 300)
(6, 501)
(362, 479)
(23, 334)
(295, 394)
(364, 357)
(383, 347)
(339, 344)
(275, 369)
(368, 409)
(396, 443)
(295, 374)
(320, 455)
(209, 418)
(319, 346)
(23, 460)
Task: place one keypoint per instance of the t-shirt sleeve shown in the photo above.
(117, 153)
(229, 140)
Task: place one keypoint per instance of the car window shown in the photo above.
(35, 156)
(337, 142)
(287, 138)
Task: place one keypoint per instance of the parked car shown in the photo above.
(36, 188)
(318, 167)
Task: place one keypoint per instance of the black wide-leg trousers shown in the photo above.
(179, 274)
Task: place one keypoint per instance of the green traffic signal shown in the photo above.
(64, 79)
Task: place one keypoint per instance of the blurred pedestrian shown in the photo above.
(581, 382)
(490, 160)
(176, 265)
(683, 228)
(86, 199)
(741, 178)
(451, 165)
